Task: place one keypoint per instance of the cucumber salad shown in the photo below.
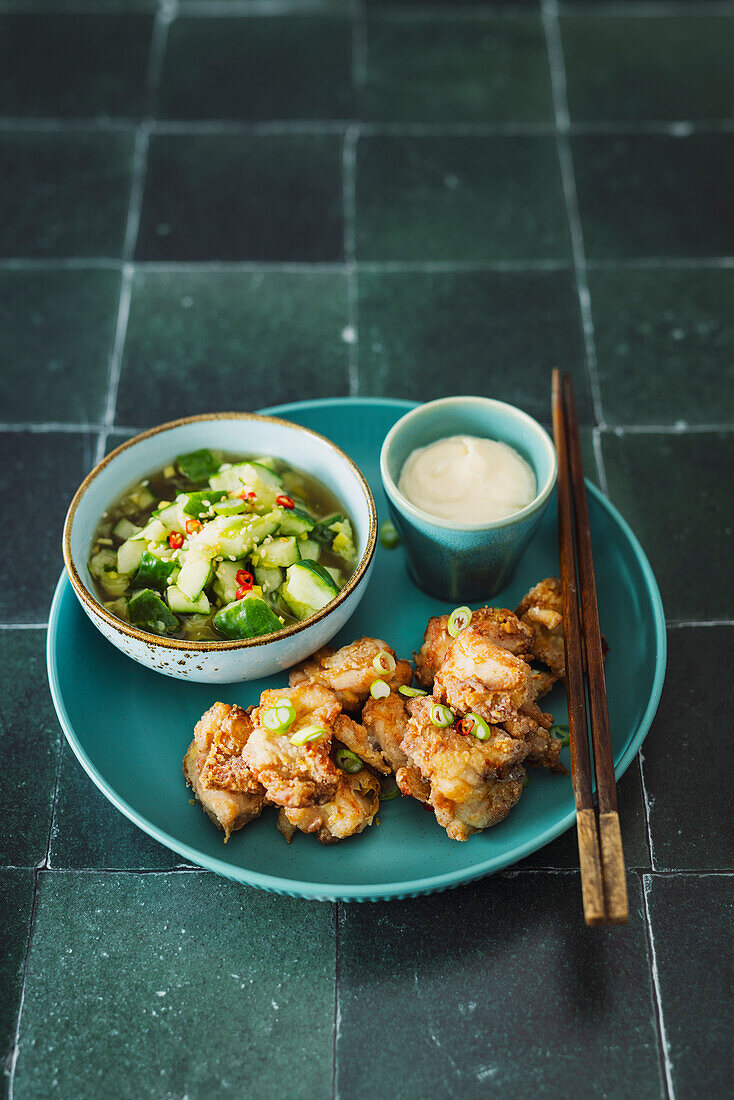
(214, 549)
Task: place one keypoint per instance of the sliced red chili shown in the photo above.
(192, 526)
(175, 540)
(464, 725)
(285, 502)
(243, 577)
(243, 590)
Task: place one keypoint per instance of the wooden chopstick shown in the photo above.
(592, 883)
(610, 837)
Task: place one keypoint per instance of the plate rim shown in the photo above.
(372, 891)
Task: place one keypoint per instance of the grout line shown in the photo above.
(182, 869)
(113, 384)
(23, 626)
(600, 465)
(554, 46)
(646, 803)
(349, 200)
(663, 1045)
(15, 1049)
(635, 9)
(48, 427)
(46, 863)
(683, 624)
(681, 427)
(337, 1006)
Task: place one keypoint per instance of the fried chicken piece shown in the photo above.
(356, 737)
(295, 775)
(349, 671)
(386, 721)
(473, 784)
(223, 784)
(542, 610)
(531, 726)
(351, 809)
(500, 626)
(411, 783)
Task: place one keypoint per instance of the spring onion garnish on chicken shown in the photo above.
(476, 726)
(280, 717)
(384, 661)
(388, 788)
(307, 734)
(561, 733)
(379, 689)
(411, 693)
(458, 619)
(441, 716)
(348, 761)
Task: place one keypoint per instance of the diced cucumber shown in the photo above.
(172, 517)
(322, 532)
(280, 552)
(198, 465)
(225, 580)
(198, 504)
(309, 550)
(249, 476)
(269, 579)
(119, 608)
(124, 529)
(229, 506)
(195, 575)
(247, 618)
(296, 522)
(147, 609)
(308, 588)
(102, 562)
(130, 555)
(268, 461)
(154, 531)
(153, 572)
(233, 537)
(343, 543)
(141, 498)
(180, 602)
(335, 574)
(267, 472)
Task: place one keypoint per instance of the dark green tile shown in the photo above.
(631, 68)
(499, 334)
(444, 6)
(463, 70)
(30, 746)
(243, 197)
(459, 198)
(73, 64)
(64, 194)
(495, 989)
(655, 194)
(16, 903)
(202, 342)
(564, 851)
(55, 463)
(692, 925)
(41, 338)
(675, 492)
(172, 985)
(258, 68)
(88, 831)
(690, 808)
(658, 329)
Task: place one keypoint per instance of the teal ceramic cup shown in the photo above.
(466, 561)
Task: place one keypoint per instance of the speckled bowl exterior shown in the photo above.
(468, 561)
(221, 662)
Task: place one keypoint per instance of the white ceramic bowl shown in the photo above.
(238, 433)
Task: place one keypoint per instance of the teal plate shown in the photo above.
(130, 727)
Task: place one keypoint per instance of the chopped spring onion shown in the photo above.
(411, 693)
(389, 536)
(379, 689)
(279, 717)
(441, 716)
(384, 661)
(348, 761)
(388, 789)
(458, 619)
(561, 733)
(307, 734)
(478, 727)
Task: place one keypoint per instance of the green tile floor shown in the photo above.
(231, 203)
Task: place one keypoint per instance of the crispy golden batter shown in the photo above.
(356, 737)
(473, 784)
(223, 784)
(295, 775)
(498, 625)
(541, 609)
(386, 721)
(349, 671)
(350, 810)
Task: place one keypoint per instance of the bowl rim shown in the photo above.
(181, 644)
(401, 501)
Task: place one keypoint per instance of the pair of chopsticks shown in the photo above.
(603, 879)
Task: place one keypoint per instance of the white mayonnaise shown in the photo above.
(467, 479)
